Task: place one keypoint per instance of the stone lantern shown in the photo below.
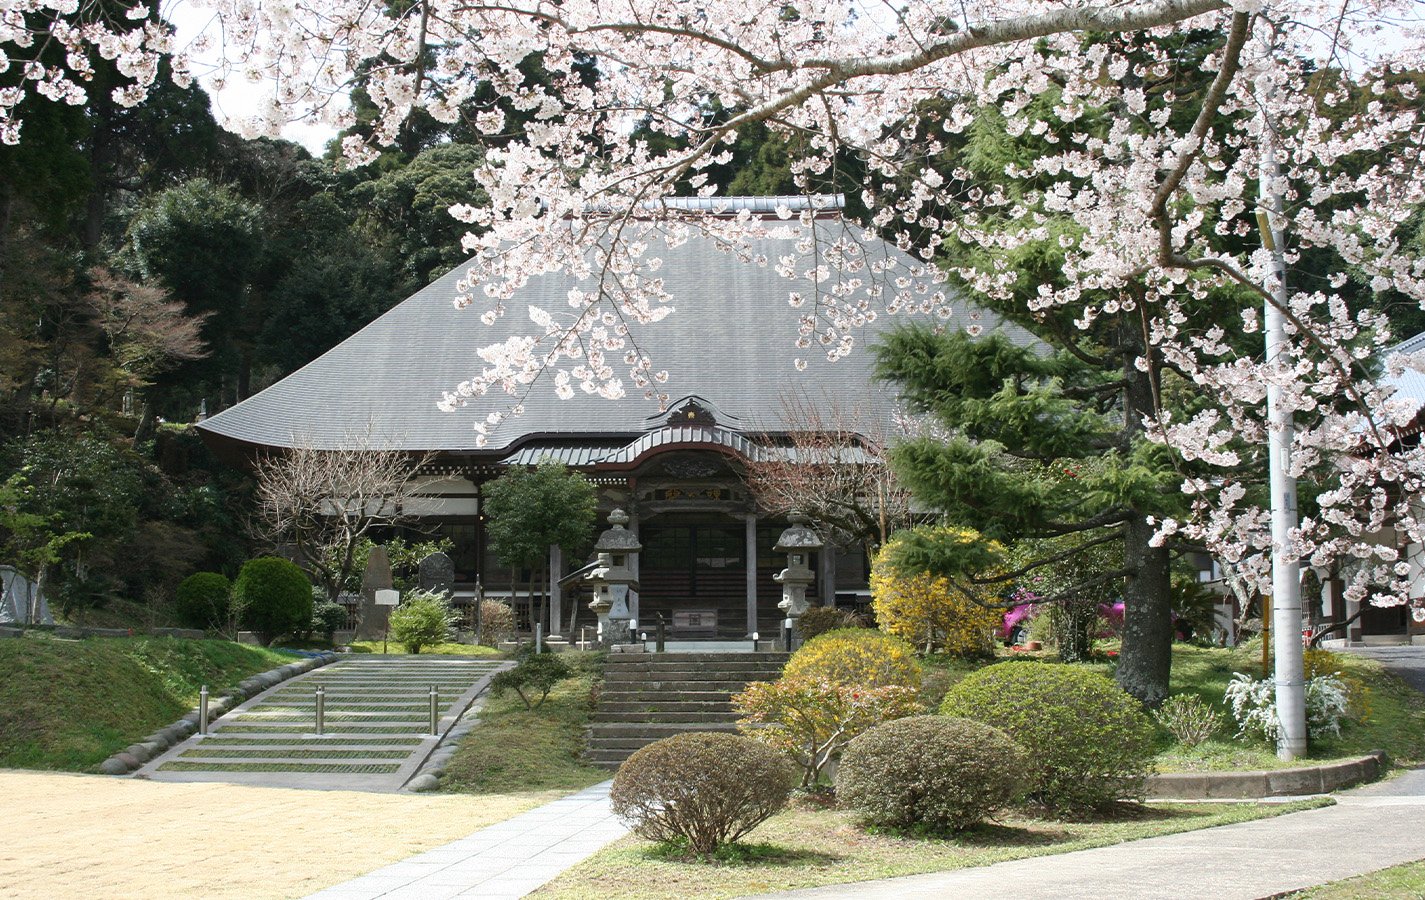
(613, 577)
(798, 542)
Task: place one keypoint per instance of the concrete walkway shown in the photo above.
(502, 862)
(376, 735)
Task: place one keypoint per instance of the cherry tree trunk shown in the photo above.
(1145, 661)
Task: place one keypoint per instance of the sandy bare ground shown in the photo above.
(93, 837)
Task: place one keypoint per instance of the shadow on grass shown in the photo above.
(743, 855)
(984, 835)
(1042, 833)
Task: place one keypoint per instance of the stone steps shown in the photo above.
(377, 724)
(709, 701)
(648, 697)
(611, 695)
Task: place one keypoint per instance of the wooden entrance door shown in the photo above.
(694, 568)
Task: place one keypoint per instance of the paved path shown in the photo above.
(1407, 661)
(377, 726)
(501, 862)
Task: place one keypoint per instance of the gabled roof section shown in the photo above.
(729, 348)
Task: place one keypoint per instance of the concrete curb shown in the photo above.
(135, 755)
(1271, 783)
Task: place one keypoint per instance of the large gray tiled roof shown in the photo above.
(730, 343)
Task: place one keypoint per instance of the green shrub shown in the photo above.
(275, 598)
(1089, 741)
(202, 600)
(328, 617)
(818, 620)
(535, 672)
(931, 770)
(707, 789)
(812, 719)
(423, 619)
(862, 657)
(1188, 718)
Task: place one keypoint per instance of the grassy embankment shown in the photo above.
(1393, 715)
(514, 749)
(68, 705)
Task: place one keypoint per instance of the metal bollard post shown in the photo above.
(321, 711)
(203, 710)
(755, 637)
(434, 709)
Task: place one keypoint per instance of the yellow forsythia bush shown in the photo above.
(856, 657)
(929, 612)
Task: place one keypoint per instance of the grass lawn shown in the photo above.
(398, 648)
(1405, 882)
(514, 749)
(1394, 722)
(69, 705)
(808, 846)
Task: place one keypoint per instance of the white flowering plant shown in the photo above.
(1253, 706)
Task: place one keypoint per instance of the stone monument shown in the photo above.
(371, 626)
(437, 573)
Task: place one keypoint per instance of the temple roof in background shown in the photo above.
(728, 348)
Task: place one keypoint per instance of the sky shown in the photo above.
(239, 97)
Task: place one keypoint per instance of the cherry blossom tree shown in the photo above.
(1163, 197)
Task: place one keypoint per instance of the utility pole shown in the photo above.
(1286, 575)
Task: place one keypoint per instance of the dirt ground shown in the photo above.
(94, 837)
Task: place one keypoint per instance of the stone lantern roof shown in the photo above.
(798, 536)
(618, 538)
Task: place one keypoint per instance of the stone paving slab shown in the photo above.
(376, 708)
(502, 862)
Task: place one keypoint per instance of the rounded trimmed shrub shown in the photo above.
(707, 789)
(931, 770)
(1089, 741)
(327, 617)
(202, 600)
(861, 657)
(818, 620)
(275, 598)
(422, 620)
